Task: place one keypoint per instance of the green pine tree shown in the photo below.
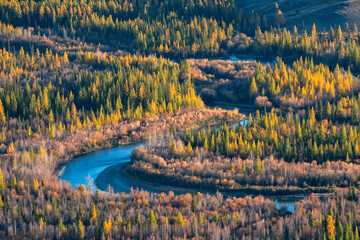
(258, 165)
(152, 219)
(193, 203)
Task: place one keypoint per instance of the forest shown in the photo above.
(313, 126)
(184, 28)
(80, 76)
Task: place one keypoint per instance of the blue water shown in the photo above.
(78, 171)
(81, 169)
(264, 61)
(289, 206)
(87, 168)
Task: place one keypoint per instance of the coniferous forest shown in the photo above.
(237, 112)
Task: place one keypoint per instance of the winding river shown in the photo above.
(106, 168)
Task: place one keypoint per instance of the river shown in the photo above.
(79, 170)
(105, 168)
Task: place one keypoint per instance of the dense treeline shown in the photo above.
(183, 27)
(60, 94)
(301, 84)
(298, 85)
(332, 48)
(292, 137)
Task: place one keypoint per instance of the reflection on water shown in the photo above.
(265, 61)
(77, 171)
(289, 206)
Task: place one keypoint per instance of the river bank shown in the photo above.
(84, 162)
(120, 180)
(154, 164)
(107, 167)
(129, 133)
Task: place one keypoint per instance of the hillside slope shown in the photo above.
(305, 12)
